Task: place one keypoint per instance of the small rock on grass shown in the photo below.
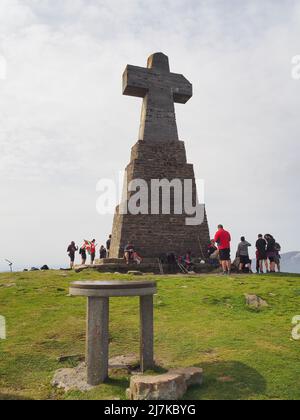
(255, 302)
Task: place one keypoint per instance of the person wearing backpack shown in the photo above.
(83, 252)
(72, 249)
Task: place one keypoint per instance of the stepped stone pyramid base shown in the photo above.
(157, 234)
(149, 265)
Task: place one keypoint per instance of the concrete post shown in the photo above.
(147, 333)
(97, 346)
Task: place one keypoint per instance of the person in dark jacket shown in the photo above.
(271, 252)
(83, 252)
(72, 249)
(261, 249)
(103, 252)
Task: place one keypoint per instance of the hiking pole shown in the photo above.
(10, 265)
(201, 249)
(182, 268)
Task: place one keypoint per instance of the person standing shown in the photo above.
(93, 247)
(257, 263)
(103, 252)
(278, 256)
(243, 254)
(72, 249)
(261, 250)
(108, 244)
(271, 251)
(83, 252)
(223, 239)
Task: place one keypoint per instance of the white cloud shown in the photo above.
(64, 123)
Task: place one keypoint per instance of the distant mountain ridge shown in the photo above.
(290, 262)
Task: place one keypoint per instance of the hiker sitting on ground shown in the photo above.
(213, 254)
(212, 248)
(243, 255)
(72, 249)
(186, 261)
(129, 252)
(137, 258)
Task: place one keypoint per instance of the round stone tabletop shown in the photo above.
(113, 288)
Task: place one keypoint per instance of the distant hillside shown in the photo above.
(290, 262)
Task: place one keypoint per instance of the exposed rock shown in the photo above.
(72, 379)
(255, 302)
(170, 387)
(80, 268)
(75, 379)
(193, 375)
(8, 285)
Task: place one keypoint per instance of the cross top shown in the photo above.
(160, 89)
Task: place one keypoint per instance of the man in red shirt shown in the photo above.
(223, 239)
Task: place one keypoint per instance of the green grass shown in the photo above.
(199, 321)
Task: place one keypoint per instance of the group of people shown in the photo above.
(267, 253)
(218, 253)
(88, 248)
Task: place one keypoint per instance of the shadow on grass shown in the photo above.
(228, 381)
(119, 383)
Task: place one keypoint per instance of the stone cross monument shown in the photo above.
(158, 155)
(160, 89)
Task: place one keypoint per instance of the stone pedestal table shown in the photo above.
(98, 294)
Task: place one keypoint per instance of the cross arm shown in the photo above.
(182, 90)
(135, 81)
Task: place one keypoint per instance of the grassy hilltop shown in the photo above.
(199, 321)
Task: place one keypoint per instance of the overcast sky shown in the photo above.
(64, 123)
